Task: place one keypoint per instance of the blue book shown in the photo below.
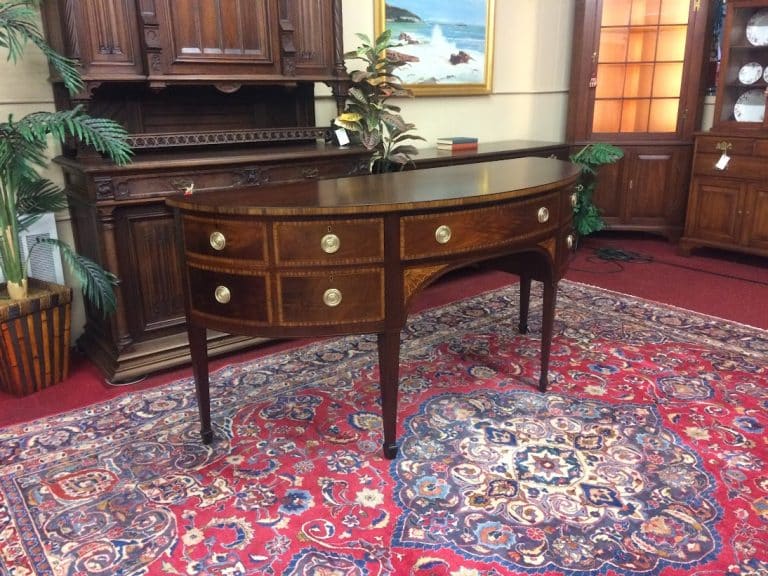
(457, 140)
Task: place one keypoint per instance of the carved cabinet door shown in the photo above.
(227, 40)
(102, 35)
(308, 40)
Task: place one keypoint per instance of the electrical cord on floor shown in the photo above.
(618, 257)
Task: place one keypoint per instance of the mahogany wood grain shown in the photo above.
(513, 215)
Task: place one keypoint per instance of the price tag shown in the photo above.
(722, 162)
(341, 137)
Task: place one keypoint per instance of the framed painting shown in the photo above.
(449, 45)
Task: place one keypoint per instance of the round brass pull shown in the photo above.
(570, 241)
(574, 199)
(330, 243)
(443, 234)
(218, 240)
(332, 297)
(543, 214)
(222, 294)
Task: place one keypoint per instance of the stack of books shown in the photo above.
(457, 143)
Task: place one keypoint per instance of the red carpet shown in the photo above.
(647, 456)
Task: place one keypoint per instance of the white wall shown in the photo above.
(529, 96)
(528, 99)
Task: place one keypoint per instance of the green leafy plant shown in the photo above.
(586, 216)
(24, 195)
(368, 112)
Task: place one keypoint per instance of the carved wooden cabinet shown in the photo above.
(226, 43)
(636, 82)
(122, 222)
(214, 95)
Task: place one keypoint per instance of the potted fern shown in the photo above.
(368, 114)
(25, 196)
(586, 215)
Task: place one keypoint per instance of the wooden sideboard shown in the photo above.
(120, 220)
(348, 255)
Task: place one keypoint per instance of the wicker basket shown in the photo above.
(34, 338)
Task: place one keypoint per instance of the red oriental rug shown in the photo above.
(647, 456)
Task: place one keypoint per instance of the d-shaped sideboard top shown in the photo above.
(347, 256)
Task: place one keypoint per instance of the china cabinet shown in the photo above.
(728, 198)
(637, 82)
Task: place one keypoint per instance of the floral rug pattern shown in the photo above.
(648, 455)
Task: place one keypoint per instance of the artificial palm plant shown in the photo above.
(24, 194)
(368, 112)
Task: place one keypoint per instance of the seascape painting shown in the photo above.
(448, 44)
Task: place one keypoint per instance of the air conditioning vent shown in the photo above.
(45, 263)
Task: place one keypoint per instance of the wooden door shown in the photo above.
(715, 211)
(756, 217)
(222, 40)
(101, 35)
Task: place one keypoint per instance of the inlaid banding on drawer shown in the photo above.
(225, 238)
(478, 229)
(234, 296)
(358, 296)
(359, 240)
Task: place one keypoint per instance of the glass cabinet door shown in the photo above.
(743, 75)
(639, 66)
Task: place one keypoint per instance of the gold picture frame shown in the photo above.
(453, 42)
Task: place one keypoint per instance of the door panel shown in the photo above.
(218, 38)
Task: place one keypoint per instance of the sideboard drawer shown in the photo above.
(325, 241)
(453, 232)
(229, 295)
(225, 238)
(331, 297)
(719, 144)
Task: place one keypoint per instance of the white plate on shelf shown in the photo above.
(757, 28)
(750, 106)
(750, 73)
(765, 74)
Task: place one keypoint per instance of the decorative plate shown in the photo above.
(750, 73)
(750, 106)
(757, 28)
(765, 74)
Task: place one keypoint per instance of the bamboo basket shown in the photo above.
(35, 334)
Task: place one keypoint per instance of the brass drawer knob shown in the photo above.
(222, 294)
(570, 240)
(543, 214)
(443, 234)
(330, 243)
(574, 199)
(218, 240)
(332, 297)
(723, 146)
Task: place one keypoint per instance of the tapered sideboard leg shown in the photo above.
(199, 349)
(389, 371)
(547, 325)
(525, 299)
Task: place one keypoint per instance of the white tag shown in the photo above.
(722, 163)
(341, 136)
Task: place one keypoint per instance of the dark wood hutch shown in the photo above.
(214, 95)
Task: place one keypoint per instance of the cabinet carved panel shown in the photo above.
(233, 37)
